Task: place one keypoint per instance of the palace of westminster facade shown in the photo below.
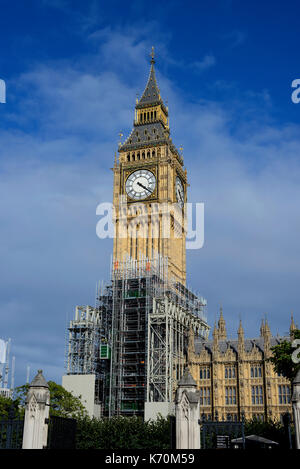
(234, 377)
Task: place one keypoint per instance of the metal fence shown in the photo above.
(216, 434)
(11, 431)
(61, 433)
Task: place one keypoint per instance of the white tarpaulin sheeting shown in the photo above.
(2, 351)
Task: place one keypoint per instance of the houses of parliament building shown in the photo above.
(126, 355)
(235, 377)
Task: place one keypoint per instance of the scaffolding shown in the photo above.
(5, 369)
(83, 350)
(151, 320)
(135, 339)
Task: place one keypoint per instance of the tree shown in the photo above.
(282, 357)
(270, 429)
(62, 402)
(7, 405)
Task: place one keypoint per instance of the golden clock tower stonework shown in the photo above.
(127, 354)
(150, 185)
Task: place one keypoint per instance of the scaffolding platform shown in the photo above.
(145, 321)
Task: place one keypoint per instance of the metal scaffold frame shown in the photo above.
(168, 329)
(145, 320)
(157, 321)
(83, 343)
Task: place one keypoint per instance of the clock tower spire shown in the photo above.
(150, 178)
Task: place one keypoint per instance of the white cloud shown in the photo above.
(208, 61)
(53, 175)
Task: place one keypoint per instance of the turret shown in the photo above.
(293, 326)
(241, 340)
(222, 326)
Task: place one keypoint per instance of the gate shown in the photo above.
(218, 434)
(11, 431)
(61, 433)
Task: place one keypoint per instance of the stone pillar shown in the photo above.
(36, 412)
(187, 413)
(296, 408)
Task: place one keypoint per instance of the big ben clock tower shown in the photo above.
(151, 180)
(132, 347)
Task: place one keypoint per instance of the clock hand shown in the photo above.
(144, 187)
(179, 194)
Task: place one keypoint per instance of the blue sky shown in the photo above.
(72, 71)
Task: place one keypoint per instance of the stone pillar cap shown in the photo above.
(187, 380)
(39, 381)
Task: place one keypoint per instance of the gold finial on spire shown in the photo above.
(152, 55)
(120, 135)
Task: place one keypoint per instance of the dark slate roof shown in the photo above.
(151, 95)
(39, 381)
(233, 344)
(151, 133)
(145, 134)
(187, 379)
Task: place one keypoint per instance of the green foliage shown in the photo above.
(21, 393)
(123, 433)
(271, 429)
(282, 358)
(7, 404)
(62, 402)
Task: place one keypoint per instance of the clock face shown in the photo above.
(140, 184)
(179, 191)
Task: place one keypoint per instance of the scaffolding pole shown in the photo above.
(144, 319)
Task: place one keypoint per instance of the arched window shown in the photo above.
(128, 157)
(148, 154)
(133, 156)
(155, 115)
(153, 154)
